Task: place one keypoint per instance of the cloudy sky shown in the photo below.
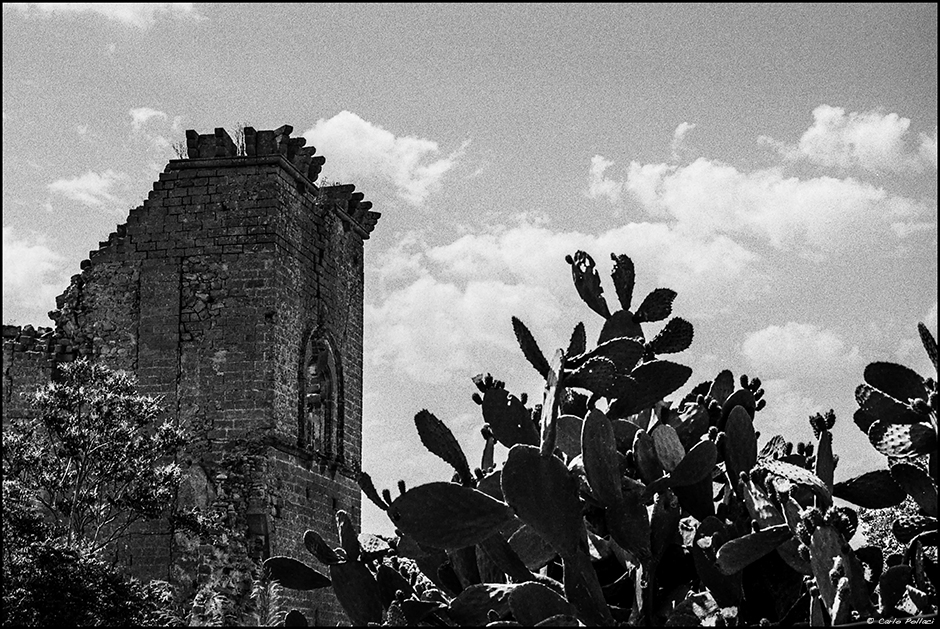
(775, 165)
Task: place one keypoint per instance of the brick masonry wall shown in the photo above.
(211, 292)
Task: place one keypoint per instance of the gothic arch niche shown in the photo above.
(320, 426)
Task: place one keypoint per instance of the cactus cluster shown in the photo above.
(614, 506)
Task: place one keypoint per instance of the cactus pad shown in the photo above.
(741, 552)
(885, 408)
(532, 603)
(295, 575)
(348, 538)
(319, 548)
(656, 307)
(798, 475)
(446, 515)
(918, 486)
(676, 336)
(568, 438)
(439, 440)
(472, 606)
(620, 325)
(544, 494)
(588, 283)
(669, 450)
(722, 387)
(530, 349)
(654, 381)
(898, 381)
(930, 343)
(357, 591)
(577, 345)
(741, 444)
(624, 353)
(599, 452)
(711, 535)
(696, 465)
(624, 276)
(508, 418)
(902, 440)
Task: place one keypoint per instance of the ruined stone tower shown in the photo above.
(235, 292)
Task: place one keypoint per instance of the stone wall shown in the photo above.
(215, 292)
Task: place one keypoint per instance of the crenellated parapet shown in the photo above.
(278, 142)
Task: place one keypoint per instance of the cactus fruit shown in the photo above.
(820, 422)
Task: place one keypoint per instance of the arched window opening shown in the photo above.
(321, 417)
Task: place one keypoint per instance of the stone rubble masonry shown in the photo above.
(210, 293)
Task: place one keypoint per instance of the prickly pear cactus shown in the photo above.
(615, 506)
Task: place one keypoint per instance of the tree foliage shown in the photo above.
(94, 459)
(96, 455)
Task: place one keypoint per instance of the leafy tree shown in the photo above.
(96, 455)
(93, 460)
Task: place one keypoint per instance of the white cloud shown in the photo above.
(870, 140)
(145, 123)
(910, 350)
(464, 292)
(355, 148)
(709, 197)
(600, 186)
(787, 412)
(800, 348)
(459, 326)
(142, 115)
(92, 189)
(33, 275)
(928, 147)
(678, 138)
(139, 15)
